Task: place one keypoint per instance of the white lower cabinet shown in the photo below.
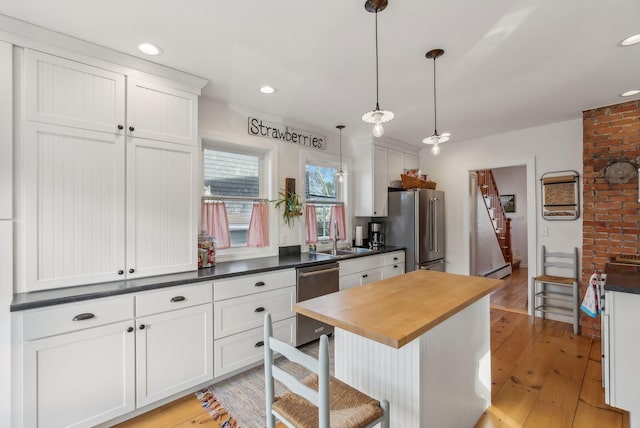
(621, 348)
(243, 349)
(80, 379)
(89, 362)
(239, 307)
(174, 351)
(365, 270)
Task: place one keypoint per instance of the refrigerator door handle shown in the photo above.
(434, 220)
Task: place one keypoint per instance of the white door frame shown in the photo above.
(532, 219)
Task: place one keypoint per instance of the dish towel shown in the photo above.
(591, 302)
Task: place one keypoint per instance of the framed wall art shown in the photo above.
(560, 195)
(508, 203)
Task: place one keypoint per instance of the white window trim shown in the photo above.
(268, 152)
(308, 157)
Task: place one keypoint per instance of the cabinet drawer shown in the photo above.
(76, 316)
(394, 258)
(393, 270)
(242, 349)
(172, 298)
(248, 284)
(244, 313)
(347, 267)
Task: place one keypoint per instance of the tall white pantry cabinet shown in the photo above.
(110, 175)
(107, 188)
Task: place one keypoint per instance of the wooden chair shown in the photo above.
(554, 293)
(319, 400)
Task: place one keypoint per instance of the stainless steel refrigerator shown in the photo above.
(416, 221)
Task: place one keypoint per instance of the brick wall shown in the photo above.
(611, 217)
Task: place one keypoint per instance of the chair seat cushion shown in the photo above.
(349, 407)
(555, 279)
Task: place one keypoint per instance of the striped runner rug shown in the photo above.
(239, 402)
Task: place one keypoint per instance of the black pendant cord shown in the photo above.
(435, 105)
(377, 84)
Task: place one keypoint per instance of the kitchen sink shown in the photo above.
(344, 252)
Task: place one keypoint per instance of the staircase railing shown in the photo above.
(501, 224)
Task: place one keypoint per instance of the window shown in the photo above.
(233, 174)
(321, 186)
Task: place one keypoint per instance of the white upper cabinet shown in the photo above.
(160, 113)
(376, 167)
(70, 93)
(161, 214)
(107, 196)
(371, 182)
(74, 206)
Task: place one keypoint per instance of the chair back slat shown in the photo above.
(560, 260)
(294, 385)
(293, 354)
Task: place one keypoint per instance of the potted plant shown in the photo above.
(292, 205)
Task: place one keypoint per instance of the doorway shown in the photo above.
(516, 183)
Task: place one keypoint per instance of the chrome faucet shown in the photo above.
(334, 251)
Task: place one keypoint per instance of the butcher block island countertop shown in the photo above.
(397, 310)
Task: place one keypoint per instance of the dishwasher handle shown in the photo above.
(318, 272)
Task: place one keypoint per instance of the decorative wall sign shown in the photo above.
(260, 128)
(560, 195)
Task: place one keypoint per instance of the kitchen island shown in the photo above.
(420, 340)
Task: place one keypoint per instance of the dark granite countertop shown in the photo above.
(39, 299)
(623, 278)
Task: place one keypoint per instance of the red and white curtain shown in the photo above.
(338, 214)
(215, 222)
(310, 224)
(258, 235)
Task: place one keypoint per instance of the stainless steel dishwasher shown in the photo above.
(312, 282)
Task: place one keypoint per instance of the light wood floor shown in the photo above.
(542, 375)
(514, 295)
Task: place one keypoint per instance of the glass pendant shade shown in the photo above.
(377, 116)
(436, 139)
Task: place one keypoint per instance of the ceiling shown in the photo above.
(509, 64)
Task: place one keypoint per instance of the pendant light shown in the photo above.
(340, 174)
(377, 116)
(436, 139)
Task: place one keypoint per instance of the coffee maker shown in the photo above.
(376, 235)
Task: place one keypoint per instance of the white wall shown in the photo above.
(513, 181)
(544, 149)
(229, 124)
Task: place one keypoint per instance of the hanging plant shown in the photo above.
(292, 205)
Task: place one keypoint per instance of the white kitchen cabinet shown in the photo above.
(160, 113)
(6, 132)
(161, 209)
(88, 362)
(76, 146)
(371, 182)
(74, 206)
(174, 351)
(240, 350)
(376, 167)
(621, 348)
(239, 306)
(397, 163)
(82, 377)
(69, 93)
(364, 270)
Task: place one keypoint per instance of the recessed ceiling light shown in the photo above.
(630, 93)
(631, 40)
(267, 89)
(149, 49)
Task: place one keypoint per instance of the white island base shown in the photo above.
(440, 379)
